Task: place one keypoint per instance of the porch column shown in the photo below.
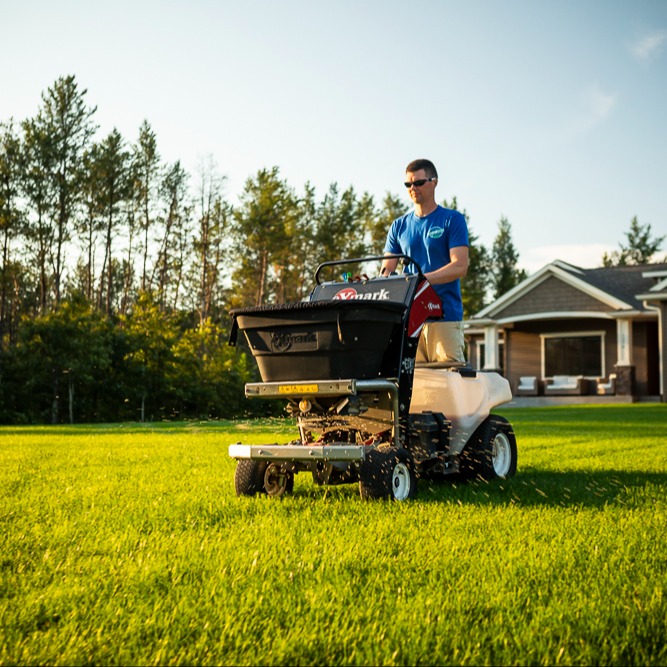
(625, 371)
(491, 348)
(624, 342)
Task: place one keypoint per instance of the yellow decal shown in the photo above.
(297, 389)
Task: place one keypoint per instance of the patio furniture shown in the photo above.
(606, 387)
(566, 385)
(528, 386)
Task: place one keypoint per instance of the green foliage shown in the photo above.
(504, 257)
(640, 249)
(392, 207)
(61, 354)
(209, 377)
(126, 545)
(475, 285)
(64, 125)
(266, 221)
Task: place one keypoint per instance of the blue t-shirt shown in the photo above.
(428, 240)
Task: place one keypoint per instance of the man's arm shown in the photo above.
(388, 265)
(457, 267)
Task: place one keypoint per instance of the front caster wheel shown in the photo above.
(277, 480)
(252, 477)
(388, 473)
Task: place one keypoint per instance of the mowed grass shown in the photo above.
(125, 545)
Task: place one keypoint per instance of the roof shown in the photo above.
(625, 282)
(619, 288)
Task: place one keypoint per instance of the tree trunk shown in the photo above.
(70, 388)
(56, 398)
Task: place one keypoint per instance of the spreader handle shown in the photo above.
(373, 258)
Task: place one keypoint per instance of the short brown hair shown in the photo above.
(426, 165)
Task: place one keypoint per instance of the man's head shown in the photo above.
(421, 178)
(426, 165)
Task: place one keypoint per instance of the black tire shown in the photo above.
(249, 477)
(388, 473)
(491, 452)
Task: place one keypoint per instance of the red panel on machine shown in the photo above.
(425, 306)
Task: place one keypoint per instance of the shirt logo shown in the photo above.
(436, 233)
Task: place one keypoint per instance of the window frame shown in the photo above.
(575, 334)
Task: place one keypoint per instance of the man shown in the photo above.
(437, 239)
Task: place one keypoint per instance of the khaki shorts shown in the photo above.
(441, 341)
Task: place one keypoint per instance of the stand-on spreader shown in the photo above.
(345, 362)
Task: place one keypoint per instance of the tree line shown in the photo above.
(118, 269)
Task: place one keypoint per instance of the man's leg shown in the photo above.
(441, 341)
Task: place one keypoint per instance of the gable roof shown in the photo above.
(618, 288)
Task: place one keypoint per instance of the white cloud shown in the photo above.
(586, 256)
(647, 47)
(599, 104)
(595, 106)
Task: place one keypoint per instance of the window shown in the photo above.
(573, 354)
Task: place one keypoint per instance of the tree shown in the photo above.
(65, 122)
(475, 285)
(174, 239)
(214, 217)
(391, 208)
(150, 335)
(146, 170)
(640, 249)
(11, 217)
(38, 188)
(264, 225)
(114, 190)
(69, 348)
(208, 375)
(338, 232)
(505, 257)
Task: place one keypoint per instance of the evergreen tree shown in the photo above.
(640, 248)
(174, 236)
(265, 223)
(505, 257)
(147, 173)
(11, 216)
(475, 285)
(214, 216)
(38, 189)
(114, 191)
(391, 208)
(65, 123)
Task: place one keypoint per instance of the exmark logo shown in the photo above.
(349, 293)
(284, 340)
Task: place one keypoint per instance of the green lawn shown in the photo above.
(125, 544)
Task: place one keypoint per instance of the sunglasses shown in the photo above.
(418, 183)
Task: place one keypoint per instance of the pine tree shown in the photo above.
(505, 258)
(640, 249)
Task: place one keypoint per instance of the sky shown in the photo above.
(550, 113)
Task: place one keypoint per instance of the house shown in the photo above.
(577, 331)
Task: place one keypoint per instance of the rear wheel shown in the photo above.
(249, 477)
(491, 452)
(388, 473)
